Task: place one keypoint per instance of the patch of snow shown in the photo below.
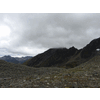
(97, 49)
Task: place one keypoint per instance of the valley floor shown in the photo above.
(86, 75)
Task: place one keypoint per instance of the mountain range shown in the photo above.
(63, 57)
(15, 60)
(55, 68)
(59, 57)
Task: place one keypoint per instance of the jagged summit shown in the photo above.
(72, 47)
(60, 48)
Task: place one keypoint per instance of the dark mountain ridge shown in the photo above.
(90, 49)
(63, 57)
(52, 57)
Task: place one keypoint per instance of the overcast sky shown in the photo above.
(32, 33)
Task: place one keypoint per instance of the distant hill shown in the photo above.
(15, 60)
(23, 59)
(63, 57)
(8, 58)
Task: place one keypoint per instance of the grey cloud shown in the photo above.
(72, 26)
(42, 31)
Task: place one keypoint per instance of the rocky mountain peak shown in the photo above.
(89, 49)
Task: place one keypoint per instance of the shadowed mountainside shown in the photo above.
(64, 57)
(52, 57)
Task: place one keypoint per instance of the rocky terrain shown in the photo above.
(85, 75)
(55, 68)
